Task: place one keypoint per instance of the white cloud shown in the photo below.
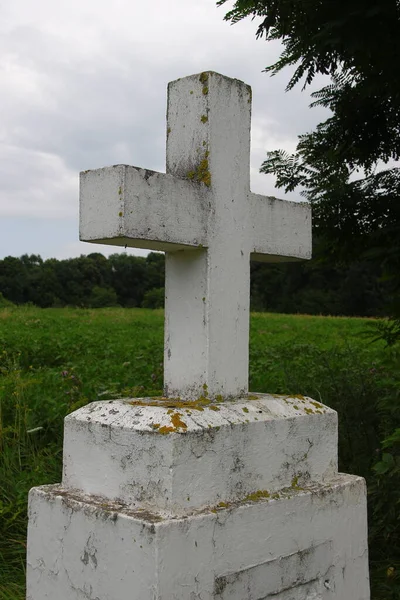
(36, 184)
(83, 84)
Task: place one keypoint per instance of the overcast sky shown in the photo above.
(83, 85)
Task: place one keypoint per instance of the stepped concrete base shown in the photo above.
(298, 544)
(237, 500)
(165, 455)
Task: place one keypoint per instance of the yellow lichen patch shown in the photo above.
(155, 425)
(120, 214)
(295, 407)
(316, 404)
(177, 421)
(255, 496)
(215, 408)
(298, 397)
(205, 90)
(309, 411)
(223, 505)
(252, 397)
(120, 191)
(204, 118)
(245, 409)
(164, 430)
(203, 400)
(171, 403)
(168, 130)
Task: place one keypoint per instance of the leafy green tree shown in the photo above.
(102, 297)
(339, 166)
(154, 298)
(348, 169)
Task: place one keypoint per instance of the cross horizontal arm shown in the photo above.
(124, 205)
(280, 230)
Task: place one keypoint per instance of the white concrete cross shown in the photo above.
(204, 216)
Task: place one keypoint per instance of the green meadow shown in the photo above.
(53, 361)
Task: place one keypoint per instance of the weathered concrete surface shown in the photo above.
(177, 459)
(203, 214)
(302, 544)
(200, 500)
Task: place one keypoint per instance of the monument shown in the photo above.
(208, 492)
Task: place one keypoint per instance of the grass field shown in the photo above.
(53, 361)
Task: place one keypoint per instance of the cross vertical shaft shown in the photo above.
(204, 216)
(207, 290)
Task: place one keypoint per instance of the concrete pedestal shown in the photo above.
(232, 501)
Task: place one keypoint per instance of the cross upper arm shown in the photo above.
(280, 230)
(124, 205)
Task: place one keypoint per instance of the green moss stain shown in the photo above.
(256, 496)
(203, 77)
(295, 483)
(120, 214)
(245, 409)
(204, 118)
(201, 173)
(204, 81)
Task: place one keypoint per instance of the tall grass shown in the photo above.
(53, 361)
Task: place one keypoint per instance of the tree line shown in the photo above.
(94, 281)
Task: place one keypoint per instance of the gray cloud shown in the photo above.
(83, 84)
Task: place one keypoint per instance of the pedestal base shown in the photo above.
(296, 544)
